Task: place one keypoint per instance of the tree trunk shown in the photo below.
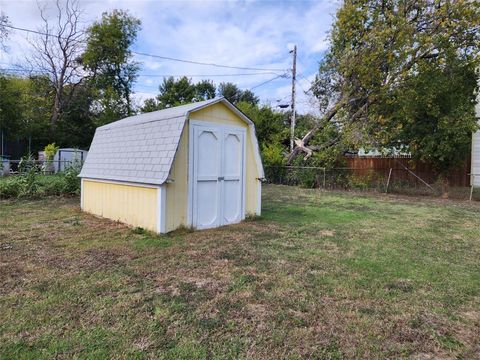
(301, 144)
(56, 110)
(445, 187)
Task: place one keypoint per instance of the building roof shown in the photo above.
(141, 148)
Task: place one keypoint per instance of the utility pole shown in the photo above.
(292, 120)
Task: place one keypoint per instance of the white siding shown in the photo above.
(476, 150)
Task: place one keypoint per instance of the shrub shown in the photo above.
(273, 155)
(308, 178)
(33, 185)
(71, 180)
(52, 185)
(26, 164)
(50, 151)
(29, 183)
(9, 187)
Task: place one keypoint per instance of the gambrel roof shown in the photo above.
(141, 148)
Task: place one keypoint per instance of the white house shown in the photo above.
(475, 168)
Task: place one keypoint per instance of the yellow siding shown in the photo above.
(177, 192)
(133, 205)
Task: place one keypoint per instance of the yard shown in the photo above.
(320, 275)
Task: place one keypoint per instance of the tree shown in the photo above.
(10, 109)
(56, 53)
(149, 105)
(271, 129)
(235, 95)
(271, 126)
(204, 90)
(36, 103)
(329, 142)
(433, 114)
(379, 49)
(175, 92)
(3, 30)
(108, 58)
(25, 108)
(178, 92)
(77, 125)
(249, 97)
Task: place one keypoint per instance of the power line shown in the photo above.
(160, 75)
(208, 75)
(23, 71)
(30, 31)
(15, 69)
(301, 86)
(205, 64)
(304, 78)
(266, 82)
(158, 56)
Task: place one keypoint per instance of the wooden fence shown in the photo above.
(362, 165)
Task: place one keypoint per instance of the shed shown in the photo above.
(67, 157)
(195, 165)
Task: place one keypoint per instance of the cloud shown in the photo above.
(238, 33)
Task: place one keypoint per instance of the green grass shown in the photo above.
(326, 275)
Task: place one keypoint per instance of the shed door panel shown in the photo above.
(218, 171)
(233, 176)
(207, 169)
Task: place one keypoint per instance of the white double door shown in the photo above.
(218, 169)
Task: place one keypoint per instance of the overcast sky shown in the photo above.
(238, 33)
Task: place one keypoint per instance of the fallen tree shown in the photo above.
(383, 55)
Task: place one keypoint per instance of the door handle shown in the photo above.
(220, 178)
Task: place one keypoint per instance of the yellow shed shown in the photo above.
(195, 165)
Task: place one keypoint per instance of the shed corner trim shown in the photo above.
(161, 206)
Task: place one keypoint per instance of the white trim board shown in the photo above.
(81, 194)
(126, 183)
(161, 208)
(259, 198)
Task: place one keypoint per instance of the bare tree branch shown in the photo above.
(55, 53)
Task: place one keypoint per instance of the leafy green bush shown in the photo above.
(273, 155)
(32, 184)
(71, 180)
(50, 151)
(9, 187)
(308, 178)
(27, 163)
(52, 185)
(28, 184)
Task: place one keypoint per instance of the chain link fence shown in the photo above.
(18, 167)
(391, 180)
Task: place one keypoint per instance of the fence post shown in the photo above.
(388, 181)
(324, 179)
(471, 188)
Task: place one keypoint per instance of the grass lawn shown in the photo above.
(319, 275)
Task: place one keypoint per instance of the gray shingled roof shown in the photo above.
(140, 148)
